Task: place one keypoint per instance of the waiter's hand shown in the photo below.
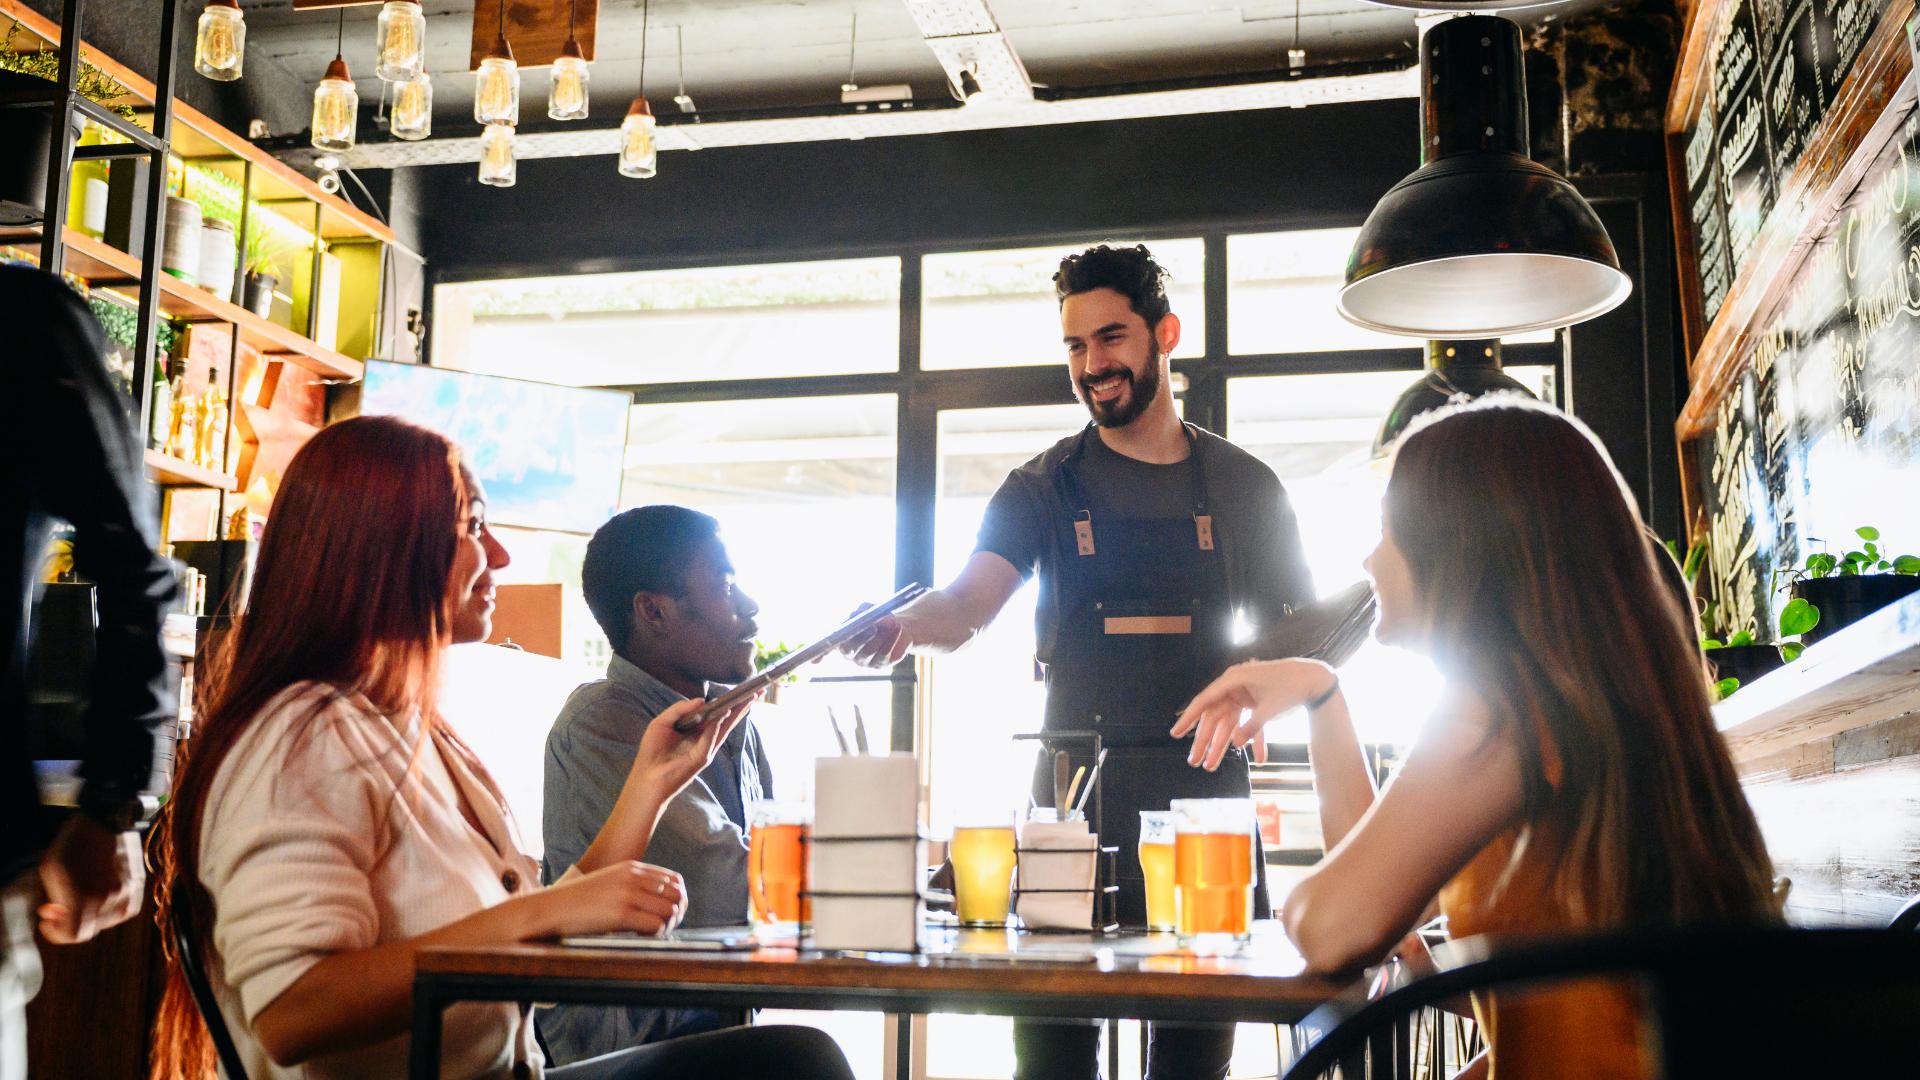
(93, 879)
(881, 646)
(1234, 709)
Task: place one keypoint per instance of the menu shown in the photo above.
(1822, 433)
(1772, 69)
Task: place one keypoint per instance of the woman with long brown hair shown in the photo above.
(1571, 777)
(327, 823)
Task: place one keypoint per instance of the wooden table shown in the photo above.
(1138, 976)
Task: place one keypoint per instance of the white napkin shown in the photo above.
(1057, 856)
(866, 796)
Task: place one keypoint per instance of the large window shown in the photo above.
(782, 320)
(997, 308)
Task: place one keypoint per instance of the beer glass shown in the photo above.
(1213, 869)
(1156, 862)
(983, 860)
(777, 863)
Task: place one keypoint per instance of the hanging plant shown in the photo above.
(93, 84)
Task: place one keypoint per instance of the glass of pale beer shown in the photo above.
(1156, 863)
(1213, 876)
(983, 861)
(777, 863)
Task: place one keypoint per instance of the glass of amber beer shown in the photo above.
(983, 860)
(1156, 862)
(777, 863)
(1213, 870)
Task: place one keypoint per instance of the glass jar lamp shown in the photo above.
(496, 155)
(402, 34)
(567, 86)
(336, 108)
(220, 42)
(496, 87)
(639, 157)
(412, 115)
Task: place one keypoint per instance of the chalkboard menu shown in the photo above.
(1822, 433)
(1772, 69)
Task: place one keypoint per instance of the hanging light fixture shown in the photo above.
(639, 157)
(412, 115)
(336, 105)
(1480, 241)
(496, 88)
(567, 79)
(220, 42)
(402, 33)
(496, 155)
(1456, 371)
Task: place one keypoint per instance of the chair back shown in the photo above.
(1758, 1002)
(203, 999)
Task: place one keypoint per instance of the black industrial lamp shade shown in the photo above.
(1479, 241)
(1456, 371)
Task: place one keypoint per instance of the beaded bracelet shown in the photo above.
(1316, 702)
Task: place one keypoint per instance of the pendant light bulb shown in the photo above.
(220, 42)
(496, 88)
(336, 104)
(496, 155)
(412, 114)
(567, 90)
(402, 34)
(639, 156)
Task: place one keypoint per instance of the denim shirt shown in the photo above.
(702, 834)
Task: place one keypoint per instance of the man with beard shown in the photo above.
(660, 585)
(1150, 536)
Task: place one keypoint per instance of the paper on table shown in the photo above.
(893, 866)
(867, 923)
(866, 796)
(1056, 855)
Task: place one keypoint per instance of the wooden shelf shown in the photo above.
(1861, 675)
(169, 471)
(196, 137)
(103, 264)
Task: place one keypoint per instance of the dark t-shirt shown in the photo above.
(1028, 524)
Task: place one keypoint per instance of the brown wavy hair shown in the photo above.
(1544, 598)
(349, 589)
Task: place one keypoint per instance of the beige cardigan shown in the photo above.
(292, 854)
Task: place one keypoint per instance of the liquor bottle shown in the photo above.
(210, 424)
(161, 419)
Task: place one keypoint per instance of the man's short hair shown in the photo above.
(1131, 272)
(641, 550)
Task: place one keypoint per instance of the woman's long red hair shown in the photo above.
(1527, 549)
(350, 588)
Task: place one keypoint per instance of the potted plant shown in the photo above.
(1832, 591)
(764, 657)
(263, 274)
(1739, 660)
(27, 133)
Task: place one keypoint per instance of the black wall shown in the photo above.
(1284, 167)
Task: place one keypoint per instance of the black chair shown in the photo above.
(1909, 918)
(1749, 1003)
(203, 998)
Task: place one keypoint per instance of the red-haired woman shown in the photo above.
(1571, 777)
(328, 824)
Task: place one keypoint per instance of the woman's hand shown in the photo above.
(668, 760)
(624, 896)
(1234, 708)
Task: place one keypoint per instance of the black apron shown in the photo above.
(1143, 621)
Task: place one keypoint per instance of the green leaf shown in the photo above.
(1673, 549)
(1725, 687)
(1790, 651)
(1872, 552)
(1849, 569)
(1798, 617)
(1696, 557)
(1867, 532)
(1884, 565)
(1821, 563)
(1744, 637)
(1711, 643)
(1907, 564)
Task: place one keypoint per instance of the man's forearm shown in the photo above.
(939, 623)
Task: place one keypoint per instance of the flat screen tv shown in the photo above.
(551, 457)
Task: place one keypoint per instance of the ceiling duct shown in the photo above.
(966, 38)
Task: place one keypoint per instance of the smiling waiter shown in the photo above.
(1150, 536)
